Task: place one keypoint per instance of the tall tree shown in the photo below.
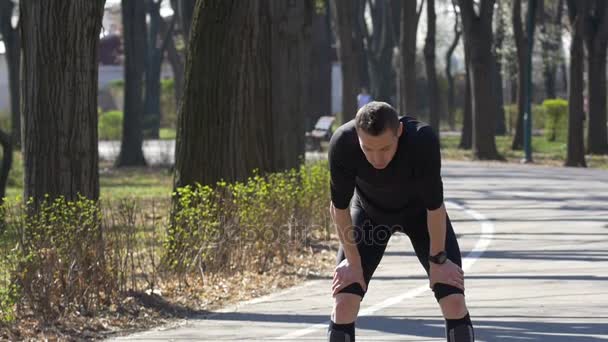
(344, 15)
(551, 43)
(499, 35)
(379, 47)
(10, 36)
(448, 69)
(154, 60)
(7, 161)
(429, 62)
(596, 39)
(575, 155)
(185, 10)
(230, 122)
(320, 83)
(466, 136)
(407, 57)
(175, 57)
(478, 35)
(134, 33)
(361, 56)
(521, 45)
(291, 65)
(60, 98)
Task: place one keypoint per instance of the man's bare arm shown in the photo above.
(436, 220)
(344, 228)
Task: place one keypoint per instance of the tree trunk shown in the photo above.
(551, 43)
(362, 62)
(501, 128)
(320, 83)
(186, 10)
(576, 148)
(134, 29)
(291, 47)
(60, 98)
(379, 50)
(521, 46)
(176, 61)
(228, 123)
(478, 33)
(10, 37)
(153, 67)
(407, 54)
(431, 72)
(7, 161)
(448, 71)
(596, 37)
(597, 139)
(466, 137)
(343, 12)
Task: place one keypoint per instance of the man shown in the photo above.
(392, 166)
(363, 98)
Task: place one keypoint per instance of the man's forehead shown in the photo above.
(380, 141)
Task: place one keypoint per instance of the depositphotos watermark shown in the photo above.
(294, 233)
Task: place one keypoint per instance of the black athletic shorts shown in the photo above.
(372, 237)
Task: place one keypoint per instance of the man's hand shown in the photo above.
(346, 274)
(448, 273)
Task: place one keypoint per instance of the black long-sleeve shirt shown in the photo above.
(409, 183)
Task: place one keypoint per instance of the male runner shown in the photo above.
(392, 165)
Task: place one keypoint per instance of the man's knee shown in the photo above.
(453, 306)
(346, 308)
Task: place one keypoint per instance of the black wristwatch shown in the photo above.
(439, 258)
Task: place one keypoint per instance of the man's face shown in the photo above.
(380, 150)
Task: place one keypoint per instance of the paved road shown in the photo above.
(537, 269)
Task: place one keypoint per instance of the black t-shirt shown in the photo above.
(411, 182)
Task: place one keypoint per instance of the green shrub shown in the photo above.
(556, 128)
(110, 125)
(58, 263)
(168, 107)
(266, 217)
(511, 113)
(538, 116)
(511, 117)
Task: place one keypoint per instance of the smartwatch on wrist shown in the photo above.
(439, 258)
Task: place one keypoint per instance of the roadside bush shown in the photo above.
(556, 128)
(110, 125)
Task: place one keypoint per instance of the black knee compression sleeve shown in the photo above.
(460, 330)
(341, 332)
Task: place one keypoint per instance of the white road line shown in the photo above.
(487, 232)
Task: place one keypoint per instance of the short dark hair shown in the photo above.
(375, 117)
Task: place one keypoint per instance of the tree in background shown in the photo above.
(466, 135)
(596, 39)
(232, 118)
(154, 60)
(550, 36)
(429, 62)
(320, 83)
(575, 155)
(344, 16)
(448, 68)
(291, 69)
(478, 37)
(10, 37)
(406, 73)
(499, 37)
(185, 9)
(379, 45)
(521, 45)
(134, 33)
(60, 118)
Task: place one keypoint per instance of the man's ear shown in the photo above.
(400, 130)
